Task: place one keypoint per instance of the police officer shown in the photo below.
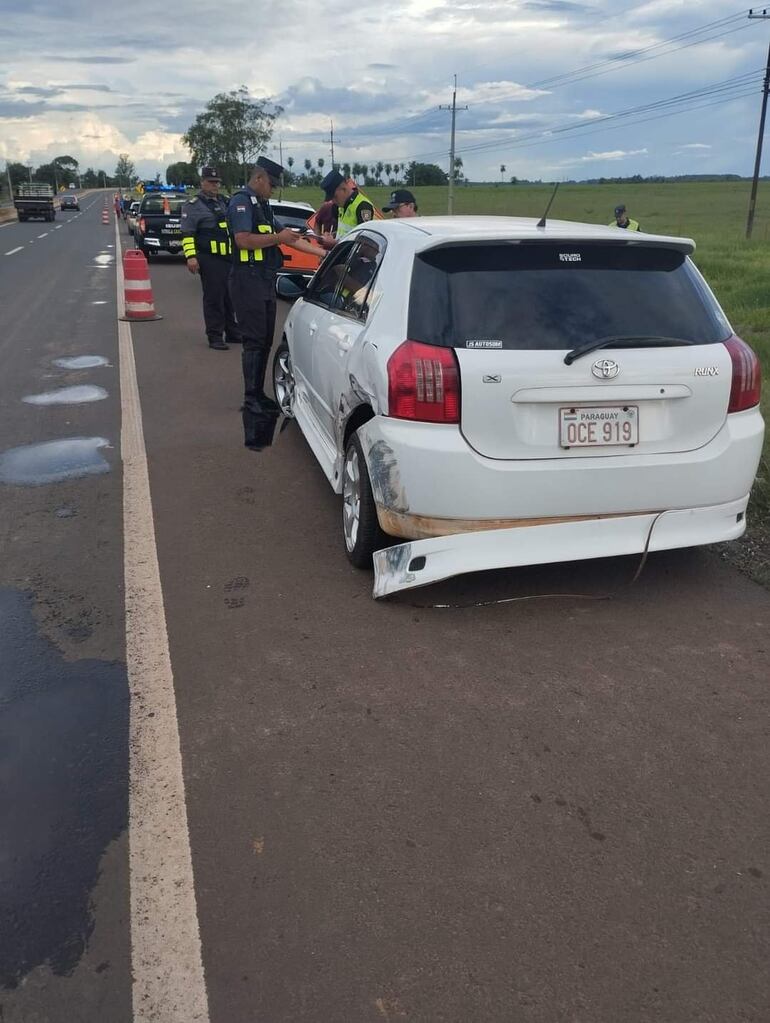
(352, 207)
(623, 220)
(256, 258)
(402, 204)
(207, 249)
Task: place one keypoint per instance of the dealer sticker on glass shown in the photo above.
(603, 426)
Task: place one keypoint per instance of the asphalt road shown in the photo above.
(549, 810)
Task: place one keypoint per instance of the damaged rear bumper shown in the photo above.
(421, 562)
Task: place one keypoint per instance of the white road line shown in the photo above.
(45, 235)
(167, 965)
(58, 227)
(17, 249)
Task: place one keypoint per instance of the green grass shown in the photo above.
(713, 214)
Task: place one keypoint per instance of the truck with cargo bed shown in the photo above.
(34, 200)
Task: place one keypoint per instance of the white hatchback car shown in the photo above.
(499, 393)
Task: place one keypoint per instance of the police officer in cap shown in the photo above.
(352, 207)
(207, 249)
(623, 220)
(402, 204)
(256, 258)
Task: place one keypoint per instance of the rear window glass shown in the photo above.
(561, 297)
(290, 216)
(155, 203)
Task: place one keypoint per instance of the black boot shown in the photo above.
(258, 426)
(218, 344)
(254, 364)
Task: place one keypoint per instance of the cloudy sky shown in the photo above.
(92, 79)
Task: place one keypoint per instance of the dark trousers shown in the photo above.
(253, 295)
(218, 311)
(253, 298)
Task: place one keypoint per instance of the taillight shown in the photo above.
(424, 383)
(747, 376)
(142, 224)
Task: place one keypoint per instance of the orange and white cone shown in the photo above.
(139, 303)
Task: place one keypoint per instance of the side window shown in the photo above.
(323, 288)
(356, 286)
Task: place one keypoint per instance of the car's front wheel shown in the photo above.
(283, 380)
(360, 525)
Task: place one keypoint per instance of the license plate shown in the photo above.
(602, 426)
(171, 230)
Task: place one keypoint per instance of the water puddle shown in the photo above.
(34, 465)
(64, 741)
(81, 362)
(100, 301)
(67, 396)
(104, 259)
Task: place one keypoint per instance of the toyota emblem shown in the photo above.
(605, 369)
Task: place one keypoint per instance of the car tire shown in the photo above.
(283, 380)
(361, 531)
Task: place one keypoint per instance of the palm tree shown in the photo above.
(290, 162)
(320, 163)
(502, 171)
(356, 169)
(346, 169)
(364, 171)
(388, 171)
(396, 170)
(308, 165)
(380, 169)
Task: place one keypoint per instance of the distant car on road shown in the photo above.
(69, 202)
(133, 212)
(514, 395)
(158, 224)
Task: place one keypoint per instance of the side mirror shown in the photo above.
(291, 286)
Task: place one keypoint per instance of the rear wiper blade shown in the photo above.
(626, 341)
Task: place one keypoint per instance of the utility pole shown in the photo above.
(10, 183)
(331, 139)
(453, 108)
(764, 16)
(280, 160)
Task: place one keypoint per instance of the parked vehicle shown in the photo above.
(158, 225)
(504, 394)
(34, 201)
(131, 216)
(69, 202)
(295, 215)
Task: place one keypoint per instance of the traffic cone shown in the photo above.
(105, 216)
(139, 303)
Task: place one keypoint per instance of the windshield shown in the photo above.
(558, 297)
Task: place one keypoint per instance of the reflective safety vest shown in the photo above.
(255, 255)
(270, 258)
(632, 225)
(204, 230)
(346, 216)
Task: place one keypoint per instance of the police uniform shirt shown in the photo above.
(203, 213)
(247, 212)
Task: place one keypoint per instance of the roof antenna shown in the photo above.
(541, 222)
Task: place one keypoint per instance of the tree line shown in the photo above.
(64, 171)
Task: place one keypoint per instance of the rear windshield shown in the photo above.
(155, 203)
(536, 296)
(290, 216)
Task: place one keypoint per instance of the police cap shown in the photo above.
(400, 197)
(331, 183)
(619, 209)
(273, 170)
(210, 174)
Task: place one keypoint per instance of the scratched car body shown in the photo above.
(497, 393)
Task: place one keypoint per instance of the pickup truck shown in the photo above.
(34, 200)
(158, 225)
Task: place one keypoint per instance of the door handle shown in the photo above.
(312, 328)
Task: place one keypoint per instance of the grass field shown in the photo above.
(713, 214)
